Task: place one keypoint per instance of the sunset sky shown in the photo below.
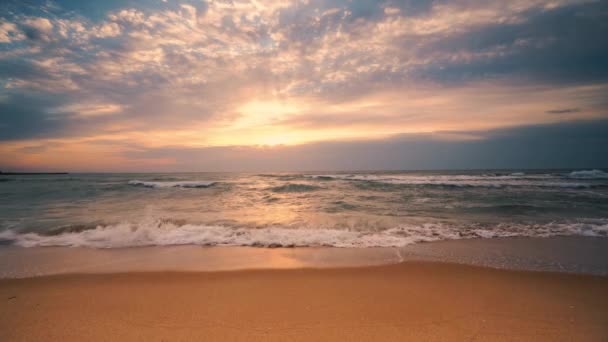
(309, 85)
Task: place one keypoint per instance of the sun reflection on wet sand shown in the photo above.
(25, 262)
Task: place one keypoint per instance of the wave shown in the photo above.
(517, 179)
(588, 174)
(294, 187)
(163, 233)
(281, 176)
(182, 184)
(492, 184)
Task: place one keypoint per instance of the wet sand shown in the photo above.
(556, 254)
(408, 301)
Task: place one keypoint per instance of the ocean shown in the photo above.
(330, 209)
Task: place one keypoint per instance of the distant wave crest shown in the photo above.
(183, 184)
(588, 174)
(517, 179)
(295, 187)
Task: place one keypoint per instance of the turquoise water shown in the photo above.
(347, 209)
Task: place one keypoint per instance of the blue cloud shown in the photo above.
(564, 45)
(579, 144)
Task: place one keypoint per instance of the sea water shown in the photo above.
(337, 209)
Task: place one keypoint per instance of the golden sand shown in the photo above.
(414, 301)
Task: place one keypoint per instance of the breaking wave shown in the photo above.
(294, 187)
(588, 174)
(183, 184)
(517, 179)
(163, 233)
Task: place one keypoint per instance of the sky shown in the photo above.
(279, 85)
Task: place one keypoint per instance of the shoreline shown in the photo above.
(576, 255)
(413, 300)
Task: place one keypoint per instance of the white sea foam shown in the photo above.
(160, 233)
(588, 174)
(183, 184)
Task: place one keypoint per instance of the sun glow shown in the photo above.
(264, 112)
(256, 124)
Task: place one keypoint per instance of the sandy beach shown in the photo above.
(420, 301)
(294, 170)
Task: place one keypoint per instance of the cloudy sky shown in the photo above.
(167, 85)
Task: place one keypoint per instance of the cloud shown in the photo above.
(37, 29)
(108, 30)
(564, 111)
(564, 145)
(9, 33)
(569, 145)
(182, 73)
(26, 116)
(576, 144)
